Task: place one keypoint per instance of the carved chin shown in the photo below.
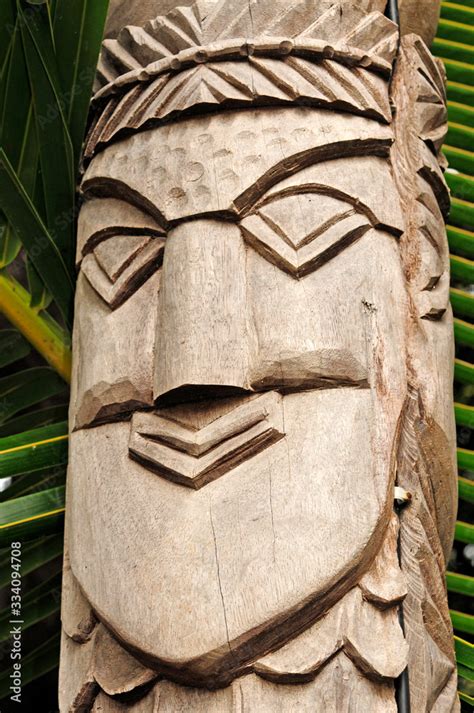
(259, 528)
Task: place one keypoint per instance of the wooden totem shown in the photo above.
(263, 366)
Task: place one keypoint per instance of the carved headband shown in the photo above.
(184, 59)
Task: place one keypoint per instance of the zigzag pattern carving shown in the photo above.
(418, 164)
(167, 41)
(431, 109)
(239, 55)
(194, 456)
(429, 633)
(424, 466)
(288, 80)
(345, 629)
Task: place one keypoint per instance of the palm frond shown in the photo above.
(48, 55)
(454, 44)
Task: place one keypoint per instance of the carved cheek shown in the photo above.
(114, 353)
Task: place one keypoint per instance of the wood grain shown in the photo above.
(426, 457)
(262, 350)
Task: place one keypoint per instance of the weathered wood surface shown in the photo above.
(262, 350)
(426, 459)
(418, 16)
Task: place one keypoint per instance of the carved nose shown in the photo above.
(202, 341)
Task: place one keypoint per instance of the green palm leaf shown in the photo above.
(55, 147)
(32, 516)
(44, 416)
(455, 46)
(34, 451)
(38, 604)
(47, 65)
(27, 388)
(35, 237)
(34, 555)
(78, 28)
(462, 622)
(460, 584)
(35, 664)
(13, 347)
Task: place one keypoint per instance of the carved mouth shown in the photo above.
(194, 446)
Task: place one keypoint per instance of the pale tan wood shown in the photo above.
(109, 217)
(141, 266)
(339, 687)
(166, 697)
(78, 620)
(260, 354)
(270, 550)
(214, 268)
(206, 24)
(77, 687)
(170, 165)
(189, 40)
(124, 13)
(115, 670)
(196, 457)
(353, 626)
(384, 584)
(426, 456)
(420, 17)
(114, 257)
(110, 382)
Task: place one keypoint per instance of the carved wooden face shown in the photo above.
(261, 352)
(239, 314)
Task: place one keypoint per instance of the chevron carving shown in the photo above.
(326, 83)
(340, 225)
(179, 62)
(194, 456)
(186, 35)
(120, 265)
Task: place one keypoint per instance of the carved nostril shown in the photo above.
(190, 393)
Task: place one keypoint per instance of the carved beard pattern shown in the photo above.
(246, 276)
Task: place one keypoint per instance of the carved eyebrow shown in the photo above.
(244, 204)
(103, 217)
(249, 199)
(107, 187)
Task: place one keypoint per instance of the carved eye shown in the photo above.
(118, 266)
(301, 232)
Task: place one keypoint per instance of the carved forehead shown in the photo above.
(222, 163)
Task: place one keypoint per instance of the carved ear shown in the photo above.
(420, 17)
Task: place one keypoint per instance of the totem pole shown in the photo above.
(262, 486)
